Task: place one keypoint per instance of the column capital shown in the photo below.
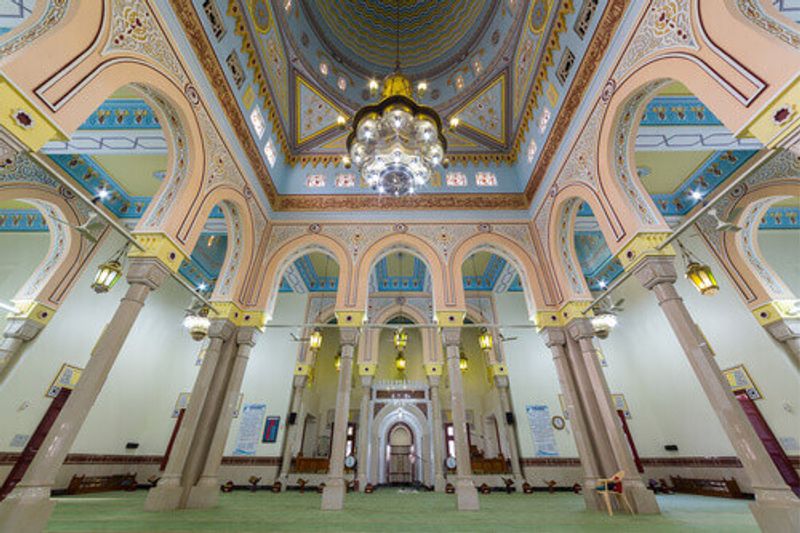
(350, 317)
(366, 381)
(433, 369)
(31, 310)
(24, 329)
(784, 329)
(247, 336)
(231, 311)
(367, 369)
(501, 381)
(300, 381)
(433, 380)
(553, 336)
(655, 270)
(564, 315)
(220, 329)
(580, 329)
(450, 318)
(148, 271)
(451, 336)
(158, 246)
(644, 245)
(348, 337)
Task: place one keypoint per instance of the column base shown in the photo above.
(333, 494)
(642, 499)
(467, 495)
(204, 495)
(163, 498)
(26, 510)
(776, 516)
(439, 483)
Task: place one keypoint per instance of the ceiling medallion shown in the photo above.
(396, 143)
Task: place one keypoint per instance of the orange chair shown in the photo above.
(613, 485)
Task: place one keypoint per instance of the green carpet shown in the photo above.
(387, 510)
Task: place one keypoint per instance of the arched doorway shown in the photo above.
(400, 455)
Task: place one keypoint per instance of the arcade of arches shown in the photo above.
(590, 303)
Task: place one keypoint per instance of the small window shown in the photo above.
(565, 67)
(485, 179)
(585, 17)
(315, 181)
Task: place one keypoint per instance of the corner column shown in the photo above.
(438, 428)
(642, 499)
(336, 486)
(362, 444)
(465, 489)
(555, 338)
(779, 319)
(28, 507)
(298, 388)
(503, 393)
(776, 508)
(206, 492)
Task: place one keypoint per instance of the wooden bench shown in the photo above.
(89, 484)
(310, 465)
(721, 488)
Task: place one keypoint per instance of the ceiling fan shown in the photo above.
(88, 228)
(608, 306)
(725, 224)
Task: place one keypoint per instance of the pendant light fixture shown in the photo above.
(396, 143)
(463, 362)
(400, 335)
(698, 273)
(110, 272)
(337, 361)
(485, 339)
(197, 324)
(400, 362)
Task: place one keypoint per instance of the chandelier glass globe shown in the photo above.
(396, 144)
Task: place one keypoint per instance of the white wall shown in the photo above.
(781, 249)
(22, 252)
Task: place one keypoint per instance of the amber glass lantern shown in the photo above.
(463, 362)
(400, 339)
(485, 340)
(108, 274)
(702, 278)
(337, 361)
(315, 339)
(400, 362)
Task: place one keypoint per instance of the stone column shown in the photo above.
(170, 490)
(438, 432)
(776, 508)
(556, 340)
(206, 492)
(642, 500)
(19, 330)
(362, 445)
(503, 393)
(786, 332)
(465, 489)
(299, 387)
(28, 507)
(336, 486)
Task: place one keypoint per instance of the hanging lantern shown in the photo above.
(603, 323)
(702, 278)
(107, 276)
(337, 361)
(400, 362)
(463, 362)
(400, 339)
(197, 324)
(315, 339)
(485, 340)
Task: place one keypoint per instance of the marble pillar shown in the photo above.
(787, 333)
(504, 395)
(465, 489)
(641, 498)
(19, 330)
(439, 481)
(776, 508)
(293, 431)
(28, 507)
(335, 485)
(556, 340)
(362, 443)
(172, 489)
(205, 493)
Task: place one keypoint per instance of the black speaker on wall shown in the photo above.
(509, 418)
(292, 418)
(671, 447)
(131, 445)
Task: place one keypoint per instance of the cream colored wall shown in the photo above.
(268, 378)
(22, 252)
(532, 375)
(668, 406)
(781, 249)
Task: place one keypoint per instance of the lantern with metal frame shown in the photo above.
(337, 361)
(400, 339)
(698, 273)
(400, 362)
(463, 362)
(109, 273)
(315, 339)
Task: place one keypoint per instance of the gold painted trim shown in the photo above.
(300, 80)
(33, 310)
(433, 369)
(501, 79)
(450, 318)
(237, 316)
(159, 246)
(349, 317)
(367, 369)
(644, 245)
(40, 130)
(763, 126)
(775, 311)
(301, 369)
(561, 317)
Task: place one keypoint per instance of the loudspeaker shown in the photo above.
(671, 447)
(509, 418)
(131, 445)
(292, 418)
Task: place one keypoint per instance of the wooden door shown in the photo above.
(771, 443)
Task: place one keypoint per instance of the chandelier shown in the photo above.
(396, 143)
